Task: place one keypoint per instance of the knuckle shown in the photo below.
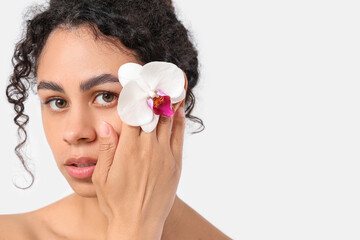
(146, 153)
(177, 173)
(181, 121)
(147, 148)
(104, 147)
(178, 169)
(170, 167)
(164, 120)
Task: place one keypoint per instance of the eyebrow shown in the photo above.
(84, 86)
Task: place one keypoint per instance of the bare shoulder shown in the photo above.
(35, 225)
(16, 226)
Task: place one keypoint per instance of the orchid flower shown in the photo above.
(148, 92)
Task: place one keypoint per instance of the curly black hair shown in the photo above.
(150, 28)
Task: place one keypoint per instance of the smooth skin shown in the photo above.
(132, 193)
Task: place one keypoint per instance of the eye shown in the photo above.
(105, 98)
(57, 103)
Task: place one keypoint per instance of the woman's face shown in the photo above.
(72, 62)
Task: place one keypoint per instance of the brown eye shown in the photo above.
(105, 98)
(60, 103)
(56, 104)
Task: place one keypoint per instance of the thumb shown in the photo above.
(108, 141)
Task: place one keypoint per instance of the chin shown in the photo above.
(84, 190)
(82, 187)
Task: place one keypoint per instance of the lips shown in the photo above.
(81, 162)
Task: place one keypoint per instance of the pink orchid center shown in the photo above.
(161, 104)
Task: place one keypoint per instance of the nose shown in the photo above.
(79, 127)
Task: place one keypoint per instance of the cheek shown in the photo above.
(52, 128)
(111, 117)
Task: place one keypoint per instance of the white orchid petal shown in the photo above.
(143, 85)
(179, 98)
(164, 76)
(132, 105)
(152, 125)
(129, 72)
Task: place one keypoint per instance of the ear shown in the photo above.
(182, 103)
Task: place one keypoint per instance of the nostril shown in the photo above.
(79, 133)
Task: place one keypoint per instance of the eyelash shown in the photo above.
(47, 101)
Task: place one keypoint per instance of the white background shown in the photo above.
(279, 95)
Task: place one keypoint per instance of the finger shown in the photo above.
(149, 130)
(129, 131)
(177, 135)
(108, 140)
(163, 130)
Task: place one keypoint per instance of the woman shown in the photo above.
(72, 52)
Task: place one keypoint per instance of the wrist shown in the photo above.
(117, 230)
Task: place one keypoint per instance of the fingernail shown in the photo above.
(104, 130)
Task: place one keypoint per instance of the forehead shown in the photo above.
(75, 54)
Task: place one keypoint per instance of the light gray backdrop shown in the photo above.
(279, 95)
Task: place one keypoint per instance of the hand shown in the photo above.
(137, 174)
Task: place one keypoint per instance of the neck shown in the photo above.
(91, 220)
(89, 217)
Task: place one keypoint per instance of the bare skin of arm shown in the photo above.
(190, 225)
(182, 223)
